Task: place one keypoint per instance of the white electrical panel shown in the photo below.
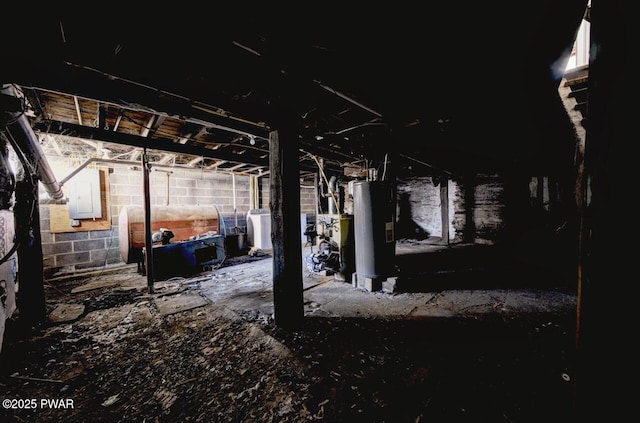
(83, 191)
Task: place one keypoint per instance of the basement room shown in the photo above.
(279, 215)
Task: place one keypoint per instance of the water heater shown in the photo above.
(374, 237)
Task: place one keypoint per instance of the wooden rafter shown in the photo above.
(77, 105)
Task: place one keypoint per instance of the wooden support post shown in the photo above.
(540, 195)
(316, 205)
(259, 199)
(606, 307)
(148, 243)
(285, 228)
(253, 181)
(31, 299)
(469, 233)
(552, 187)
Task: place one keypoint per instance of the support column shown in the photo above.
(285, 228)
(259, 199)
(469, 233)
(148, 242)
(253, 192)
(606, 308)
(31, 298)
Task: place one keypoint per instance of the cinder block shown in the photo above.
(389, 285)
(57, 248)
(72, 258)
(367, 284)
(184, 182)
(90, 244)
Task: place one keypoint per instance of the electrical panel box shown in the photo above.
(83, 191)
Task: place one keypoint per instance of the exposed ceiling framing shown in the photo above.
(458, 88)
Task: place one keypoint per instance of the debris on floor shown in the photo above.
(207, 349)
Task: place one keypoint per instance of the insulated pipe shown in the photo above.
(332, 205)
(122, 162)
(168, 176)
(22, 134)
(332, 195)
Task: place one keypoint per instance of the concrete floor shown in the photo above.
(247, 287)
(447, 348)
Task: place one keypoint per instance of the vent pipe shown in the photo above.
(20, 132)
(332, 195)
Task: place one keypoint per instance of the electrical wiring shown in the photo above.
(106, 254)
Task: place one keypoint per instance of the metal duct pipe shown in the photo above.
(332, 195)
(22, 134)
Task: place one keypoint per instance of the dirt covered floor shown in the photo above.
(202, 349)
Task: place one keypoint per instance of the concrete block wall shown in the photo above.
(454, 193)
(419, 212)
(419, 209)
(307, 198)
(489, 209)
(185, 187)
(458, 211)
(308, 202)
(70, 252)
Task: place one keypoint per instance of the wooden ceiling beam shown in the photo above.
(135, 154)
(191, 135)
(154, 122)
(112, 90)
(77, 106)
(166, 158)
(118, 119)
(195, 161)
(160, 144)
(238, 166)
(216, 164)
